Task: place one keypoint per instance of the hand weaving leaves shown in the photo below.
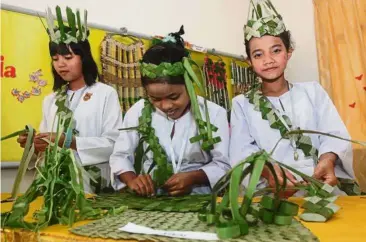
(233, 220)
(59, 180)
(163, 170)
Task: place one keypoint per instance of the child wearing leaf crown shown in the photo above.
(93, 106)
(174, 142)
(266, 113)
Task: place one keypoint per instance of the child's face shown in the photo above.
(171, 99)
(69, 66)
(269, 57)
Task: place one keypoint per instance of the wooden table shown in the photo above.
(348, 225)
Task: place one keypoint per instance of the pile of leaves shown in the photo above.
(59, 180)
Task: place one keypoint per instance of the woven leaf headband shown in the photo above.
(263, 19)
(78, 30)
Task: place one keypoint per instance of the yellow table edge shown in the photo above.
(349, 224)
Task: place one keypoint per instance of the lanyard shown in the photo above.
(177, 165)
(70, 102)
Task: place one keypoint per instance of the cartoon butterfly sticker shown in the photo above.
(42, 83)
(15, 92)
(36, 91)
(34, 76)
(20, 98)
(26, 94)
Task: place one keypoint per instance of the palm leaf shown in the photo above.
(300, 131)
(139, 156)
(24, 162)
(60, 23)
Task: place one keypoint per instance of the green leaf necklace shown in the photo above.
(289, 123)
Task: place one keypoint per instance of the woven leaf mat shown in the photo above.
(191, 203)
(108, 228)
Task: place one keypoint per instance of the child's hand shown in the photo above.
(40, 145)
(324, 171)
(179, 184)
(22, 139)
(290, 181)
(183, 182)
(142, 184)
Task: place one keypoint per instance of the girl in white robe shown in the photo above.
(303, 106)
(313, 109)
(96, 112)
(195, 170)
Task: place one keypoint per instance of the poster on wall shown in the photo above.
(26, 76)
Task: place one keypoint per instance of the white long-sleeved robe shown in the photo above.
(313, 110)
(97, 121)
(214, 164)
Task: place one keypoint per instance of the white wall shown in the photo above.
(8, 179)
(210, 23)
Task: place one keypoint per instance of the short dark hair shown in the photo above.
(89, 67)
(284, 36)
(166, 52)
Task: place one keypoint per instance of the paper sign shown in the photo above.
(138, 229)
(199, 48)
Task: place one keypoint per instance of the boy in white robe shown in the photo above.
(303, 106)
(175, 165)
(96, 110)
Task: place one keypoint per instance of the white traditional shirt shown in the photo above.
(309, 107)
(97, 120)
(214, 163)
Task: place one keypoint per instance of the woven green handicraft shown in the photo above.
(108, 228)
(62, 108)
(228, 219)
(78, 30)
(263, 105)
(188, 203)
(263, 19)
(232, 220)
(162, 70)
(59, 180)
